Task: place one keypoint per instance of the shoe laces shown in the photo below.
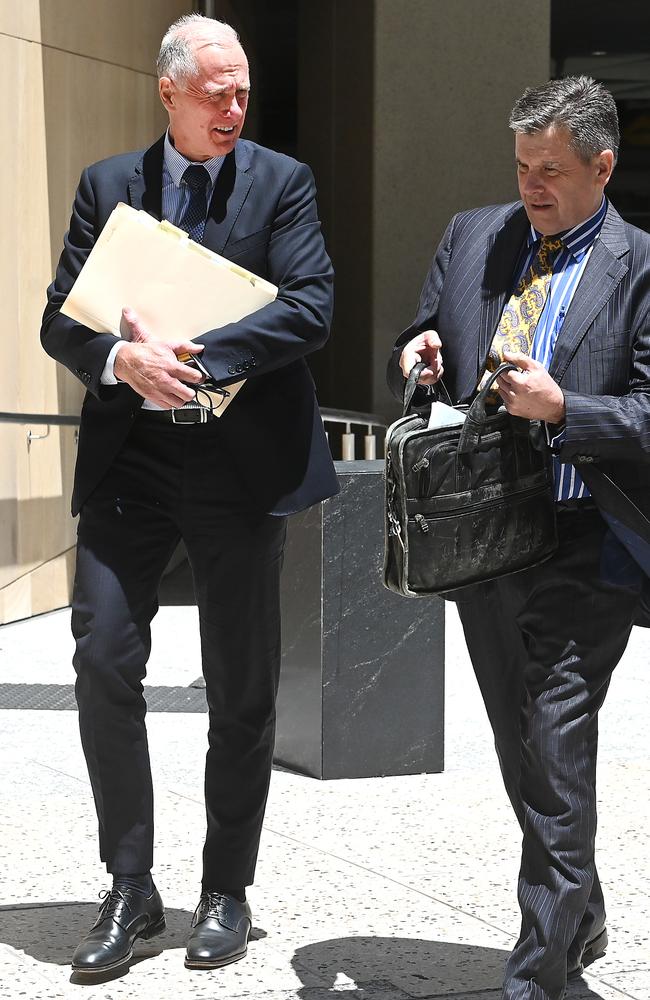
(212, 901)
(111, 899)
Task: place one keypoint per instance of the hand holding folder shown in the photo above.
(178, 288)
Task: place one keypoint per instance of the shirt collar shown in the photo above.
(176, 164)
(578, 240)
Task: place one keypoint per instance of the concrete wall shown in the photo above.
(404, 117)
(78, 85)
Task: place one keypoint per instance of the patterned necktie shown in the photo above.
(197, 179)
(521, 314)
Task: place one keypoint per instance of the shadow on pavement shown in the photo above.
(405, 968)
(50, 932)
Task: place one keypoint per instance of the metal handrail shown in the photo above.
(349, 418)
(39, 418)
(352, 417)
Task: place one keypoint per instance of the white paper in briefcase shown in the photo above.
(178, 288)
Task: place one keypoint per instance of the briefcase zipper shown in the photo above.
(423, 522)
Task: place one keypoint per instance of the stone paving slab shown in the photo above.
(381, 889)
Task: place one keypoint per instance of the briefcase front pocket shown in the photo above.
(477, 538)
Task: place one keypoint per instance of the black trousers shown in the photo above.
(171, 482)
(544, 643)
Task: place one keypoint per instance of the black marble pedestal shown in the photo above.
(362, 682)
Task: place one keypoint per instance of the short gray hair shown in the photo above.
(579, 104)
(176, 58)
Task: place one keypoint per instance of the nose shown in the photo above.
(232, 108)
(530, 183)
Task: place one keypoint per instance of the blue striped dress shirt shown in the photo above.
(175, 194)
(568, 268)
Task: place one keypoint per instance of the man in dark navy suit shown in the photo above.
(155, 466)
(560, 285)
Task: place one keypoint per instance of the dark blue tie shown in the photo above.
(197, 179)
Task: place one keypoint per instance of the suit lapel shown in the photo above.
(603, 272)
(230, 192)
(145, 187)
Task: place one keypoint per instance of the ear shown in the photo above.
(166, 89)
(605, 166)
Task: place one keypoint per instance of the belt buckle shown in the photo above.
(201, 411)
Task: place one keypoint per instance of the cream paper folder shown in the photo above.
(179, 288)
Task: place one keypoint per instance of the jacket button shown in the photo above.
(231, 370)
(238, 369)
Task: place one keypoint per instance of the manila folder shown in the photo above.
(179, 288)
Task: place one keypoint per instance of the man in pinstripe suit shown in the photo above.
(544, 642)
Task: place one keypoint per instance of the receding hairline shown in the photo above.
(187, 37)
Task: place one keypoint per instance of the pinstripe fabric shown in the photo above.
(560, 627)
(601, 357)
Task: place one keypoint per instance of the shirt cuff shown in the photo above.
(555, 435)
(108, 376)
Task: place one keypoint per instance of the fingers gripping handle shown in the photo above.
(412, 384)
(439, 390)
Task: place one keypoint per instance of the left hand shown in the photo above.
(132, 330)
(531, 393)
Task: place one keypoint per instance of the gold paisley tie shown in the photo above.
(520, 316)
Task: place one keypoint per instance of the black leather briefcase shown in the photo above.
(466, 503)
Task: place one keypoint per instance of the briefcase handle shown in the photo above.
(439, 390)
(477, 414)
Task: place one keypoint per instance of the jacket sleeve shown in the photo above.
(81, 350)
(613, 427)
(425, 318)
(298, 321)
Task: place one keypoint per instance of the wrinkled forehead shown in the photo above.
(218, 54)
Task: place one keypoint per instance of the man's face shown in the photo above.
(559, 189)
(207, 112)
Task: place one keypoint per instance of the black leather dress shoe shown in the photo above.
(123, 916)
(594, 948)
(220, 929)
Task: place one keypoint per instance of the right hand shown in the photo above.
(152, 368)
(425, 347)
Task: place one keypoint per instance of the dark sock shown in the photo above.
(239, 893)
(139, 883)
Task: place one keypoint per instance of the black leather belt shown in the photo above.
(183, 415)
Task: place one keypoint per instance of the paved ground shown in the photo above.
(381, 889)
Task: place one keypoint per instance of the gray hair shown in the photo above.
(176, 58)
(579, 104)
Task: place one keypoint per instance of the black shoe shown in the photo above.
(220, 929)
(123, 916)
(593, 949)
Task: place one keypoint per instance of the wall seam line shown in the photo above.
(79, 55)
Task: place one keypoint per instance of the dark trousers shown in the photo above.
(169, 483)
(543, 644)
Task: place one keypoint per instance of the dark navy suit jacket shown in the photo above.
(602, 355)
(263, 216)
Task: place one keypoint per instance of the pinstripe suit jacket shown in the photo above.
(602, 355)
